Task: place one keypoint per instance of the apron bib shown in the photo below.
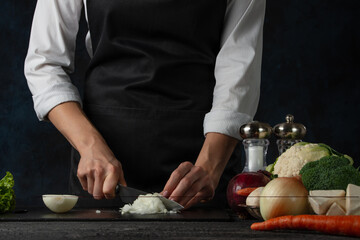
(150, 83)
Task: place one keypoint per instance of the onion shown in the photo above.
(146, 204)
(60, 203)
(254, 197)
(283, 196)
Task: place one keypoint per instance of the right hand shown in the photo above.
(99, 171)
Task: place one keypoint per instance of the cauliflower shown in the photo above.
(293, 159)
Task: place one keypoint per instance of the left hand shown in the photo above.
(189, 184)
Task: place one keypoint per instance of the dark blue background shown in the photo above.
(310, 69)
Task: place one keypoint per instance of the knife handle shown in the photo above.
(117, 189)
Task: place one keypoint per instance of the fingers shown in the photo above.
(110, 185)
(98, 184)
(116, 176)
(203, 196)
(99, 178)
(176, 177)
(92, 181)
(184, 199)
(188, 185)
(90, 186)
(83, 180)
(122, 179)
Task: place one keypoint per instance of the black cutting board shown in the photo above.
(43, 214)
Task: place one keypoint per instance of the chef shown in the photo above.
(168, 86)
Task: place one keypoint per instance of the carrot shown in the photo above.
(339, 225)
(245, 191)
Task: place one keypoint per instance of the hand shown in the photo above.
(99, 171)
(189, 184)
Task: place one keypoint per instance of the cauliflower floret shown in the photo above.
(293, 159)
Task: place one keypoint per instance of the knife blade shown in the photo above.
(129, 195)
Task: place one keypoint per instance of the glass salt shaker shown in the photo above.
(255, 135)
(288, 133)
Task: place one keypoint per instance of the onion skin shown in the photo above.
(283, 196)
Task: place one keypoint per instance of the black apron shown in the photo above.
(150, 83)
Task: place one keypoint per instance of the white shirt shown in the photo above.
(51, 53)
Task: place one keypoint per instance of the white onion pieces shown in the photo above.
(283, 196)
(146, 204)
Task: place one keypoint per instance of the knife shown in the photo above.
(129, 195)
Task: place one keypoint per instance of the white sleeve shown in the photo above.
(237, 68)
(51, 53)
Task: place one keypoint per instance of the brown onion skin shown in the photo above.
(240, 181)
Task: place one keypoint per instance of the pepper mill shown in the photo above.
(255, 135)
(288, 133)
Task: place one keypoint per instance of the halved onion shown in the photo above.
(60, 203)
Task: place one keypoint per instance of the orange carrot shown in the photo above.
(245, 191)
(339, 225)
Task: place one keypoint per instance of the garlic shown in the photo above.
(254, 197)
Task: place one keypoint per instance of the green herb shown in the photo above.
(7, 194)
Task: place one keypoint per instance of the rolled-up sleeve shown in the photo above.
(50, 56)
(237, 68)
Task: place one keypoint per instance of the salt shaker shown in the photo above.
(288, 133)
(255, 135)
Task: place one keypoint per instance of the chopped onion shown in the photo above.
(283, 196)
(146, 204)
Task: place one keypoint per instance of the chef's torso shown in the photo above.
(150, 81)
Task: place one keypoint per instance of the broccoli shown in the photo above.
(329, 173)
(289, 163)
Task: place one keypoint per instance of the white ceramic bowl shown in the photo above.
(60, 203)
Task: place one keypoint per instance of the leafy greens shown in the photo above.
(7, 194)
